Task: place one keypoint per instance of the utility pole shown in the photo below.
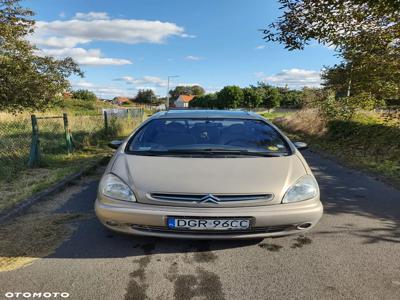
(167, 102)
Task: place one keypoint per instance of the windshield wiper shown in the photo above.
(212, 151)
(207, 150)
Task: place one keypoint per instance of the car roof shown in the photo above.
(203, 113)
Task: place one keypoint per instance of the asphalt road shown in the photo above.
(354, 253)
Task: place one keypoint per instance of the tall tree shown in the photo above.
(27, 81)
(197, 90)
(377, 75)
(252, 97)
(339, 23)
(179, 90)
(230, 96)
(146, 96)
(84, 95)
(194, 90)
(271, 96)
(205, 101)
(365, 34)
(291, 98)
(311, 96)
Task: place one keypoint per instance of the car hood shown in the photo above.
(147, 175)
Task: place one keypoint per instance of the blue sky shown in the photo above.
(125, 45)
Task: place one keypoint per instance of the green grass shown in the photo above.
(31, 181)
(80, 107)
(17, 181)
(273, 115)
(366, 142)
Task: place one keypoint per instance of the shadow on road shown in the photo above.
(346, 191)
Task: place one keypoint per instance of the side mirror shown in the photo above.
(115, 144)
(300, 145)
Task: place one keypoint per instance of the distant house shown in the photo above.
(160, 107)
(120, 100)
(67, 95)
(183, 101)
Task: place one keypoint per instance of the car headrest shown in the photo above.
(236, 129)
(175, 127)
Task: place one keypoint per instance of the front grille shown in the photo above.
(217, 197)
(269, 229)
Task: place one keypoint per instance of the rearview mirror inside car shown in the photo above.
(115, 144)
(300, 145)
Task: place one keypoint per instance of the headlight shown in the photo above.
(114, 187)
(305, 188)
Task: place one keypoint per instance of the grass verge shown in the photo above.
(41, 230)
(366, 142)
(276, 114)
(31, 181)
(32, 237)
(90, 137)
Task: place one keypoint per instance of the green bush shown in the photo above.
(230, 96)
(251, 97)
(84, 95)
(375, 142)
(78, 106)
(365, 101)
(367, 141)
(332, 109)
(205, 101)
(345, 108)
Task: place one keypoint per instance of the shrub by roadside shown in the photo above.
(366, 141)
(305, 121)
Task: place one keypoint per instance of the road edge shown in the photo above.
(22, 206)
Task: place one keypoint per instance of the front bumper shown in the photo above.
(150, 220)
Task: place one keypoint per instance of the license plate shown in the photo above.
(208, 224)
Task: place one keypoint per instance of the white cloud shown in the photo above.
(102, 91)
(157, 84)
(144, 81)
(96, 26)
(152, 82)
(91, 16)
(212, 89)
(192, 57)
(58, 42)
(62, 15)
(92, 57)
(294, 78)
(82, 84)
(186, 84)
(61, 38)
(260, 47)
(190, 36)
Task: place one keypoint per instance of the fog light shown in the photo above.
(304, 226)
(112, 223)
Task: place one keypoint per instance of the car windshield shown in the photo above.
(208, 136)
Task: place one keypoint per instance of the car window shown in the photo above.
(224, 135)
